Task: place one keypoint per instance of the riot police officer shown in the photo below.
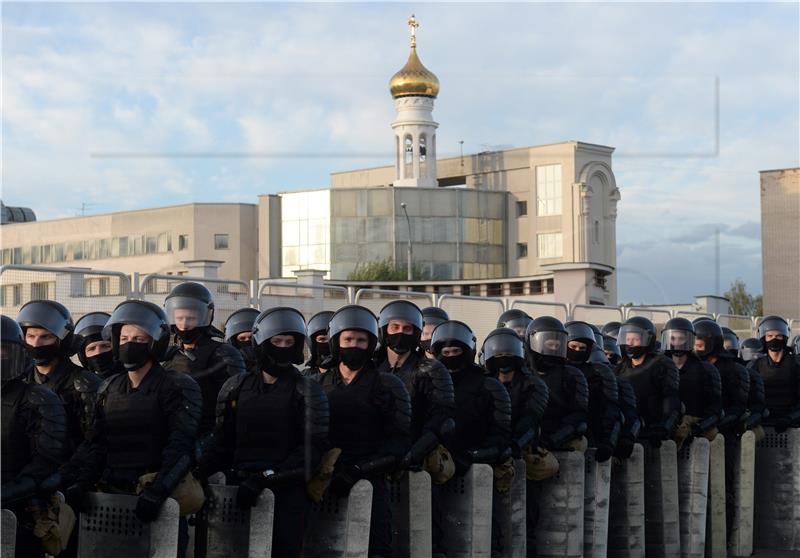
(34, 437)
(319, 360)
(515, 319)
(146, 420)
(611, 329)
(750, 350)
(272, 427)
(564, 421)
(94, 352)
(504, 354)
(431, 317)
(731, 342)
(604, 416)
(700, 385)
(370, 416)
(199, 352)
(238, 331)
(47, 328)
(780, 370)
(483, 408)
(654, 377)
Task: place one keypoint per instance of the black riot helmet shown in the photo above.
(515, 319)
(89, 329)
(611, 349)
(730, 341)
(796, 344)
(677, 337)
(434, 316)
(453, 333)
(710, 333)
(318, 324)
(52, 316)
(611, 329)
(637, 329)
(192, 301)
(406, 311)
(239, 322)
(772, 323)
(279, 321)
(547, 337)
(503, 351)
(352, 317)
(14, 356)
(751, 349)
(598, 336)
(582, 333)
(145, 315)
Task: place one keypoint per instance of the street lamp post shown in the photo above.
(408, 221)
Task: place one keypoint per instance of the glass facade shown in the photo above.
(94, 249)
(548, 190)
(305, 231)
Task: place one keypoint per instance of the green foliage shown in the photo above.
(386, 270)
(742, 302)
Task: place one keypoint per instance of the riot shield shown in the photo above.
(716, 528)
(741, 538)
(777, 491)
(8, 534)
(693, 459)
(662, 511)
(341, 525)
(232, 531)
(626, 515)
(467, 513)
(410, 498)
(596, 497)
(559, 531)
(512, 510)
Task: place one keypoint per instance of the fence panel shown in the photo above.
(596, 315)
(794, 326)
(81, 290)
(481, 314)
(229, 295)
(376, 299)
(536, 309)
(741, 325)
(658, 317)
(307, 299)
(691, 316)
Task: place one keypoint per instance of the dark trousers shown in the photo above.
(437, 519)
(497, 526)
(533, 489)
(291, 516)
(731, 451)
(380, 526)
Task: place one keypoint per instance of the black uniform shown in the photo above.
(701, 392)
(282, 427)
(529, 396)
(735, 392)
(568, 406)
(633, 423)
(756, 400)
(656, 384)
(604, 415)
(210, 363)
(781, 389)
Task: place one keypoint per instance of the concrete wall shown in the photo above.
(780, 241)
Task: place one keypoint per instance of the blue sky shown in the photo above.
(86, 83)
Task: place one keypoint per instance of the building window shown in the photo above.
(522, 208)
(548, 190)
(220, 241)
(522, 249)
(183, 242)
(41, 290)
(597, 232)
(11, 295)
(550, 245)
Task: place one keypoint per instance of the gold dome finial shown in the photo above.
(414, 78)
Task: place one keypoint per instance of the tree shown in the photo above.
(386, 270)
(742, 302)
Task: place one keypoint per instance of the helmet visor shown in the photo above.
(549, 343)
(187, 313)
(239, 322)
(677, 340)
(401, 310)
(449, 331)
(14, 360)
(135, 314)
(279, 321)
(769, 324)
(502, 344)
(634, 336)
(46, 316)
(91, 324)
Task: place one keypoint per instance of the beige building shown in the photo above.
(780, 241)
(174, 240)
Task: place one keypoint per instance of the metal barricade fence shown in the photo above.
(81, 290)
(480, 314)
(307, 299)
(691, 316)
(536, 309)
(376, 299)
(229, 295)
(742, 326)
(596, 315)
(658, 317)
(794, 327)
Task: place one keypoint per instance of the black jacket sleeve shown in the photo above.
(395, 405)
(47, 432)
(316, 418)
(735, 390)
(182, 403)
(627, 398)
(712, 392)
(435, 380)
(668, 380)
(611, 409)
(218, 451)
(499, 415)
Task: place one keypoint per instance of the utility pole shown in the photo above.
(716, 261)
(408, 221)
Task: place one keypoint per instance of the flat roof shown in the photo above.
(781, 170)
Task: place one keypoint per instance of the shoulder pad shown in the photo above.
(230, 389)
(41, 396)
(231, 356)
(192, 396)
(610, 387)
(86, 382)
(312, 393)
(394, 385)
(539, 394)
(580, 387)
(440, 380)
(501, 401)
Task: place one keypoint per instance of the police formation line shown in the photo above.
(163, 400)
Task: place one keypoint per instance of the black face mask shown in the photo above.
(454, 363)
(678, 353)
(776, 345)
(401, 343)
(503, 365)
(354, 357)
(576, 355)
(323, 351)
(272, 355)
(636, 352)
(133, 356)
(100, 364)
(425, 346)
(190, 335)
(548, 362)
(44, 354)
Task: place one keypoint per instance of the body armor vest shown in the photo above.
(780, 383)
(15, 445)
(356, 420)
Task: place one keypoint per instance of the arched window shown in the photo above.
(597, 232)
(408, 150)
(423, 152)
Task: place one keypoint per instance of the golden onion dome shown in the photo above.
(414, 78)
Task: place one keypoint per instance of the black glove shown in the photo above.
(149, 503)
(782, 424)
(249, 491)
(76, 496)
(625, 448)
(344, 479)
(604, 452)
